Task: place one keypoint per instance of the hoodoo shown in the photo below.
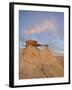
(38, 63)
(31, 43)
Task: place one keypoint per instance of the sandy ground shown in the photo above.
(39, 63)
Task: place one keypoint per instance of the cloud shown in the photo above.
(48, 25)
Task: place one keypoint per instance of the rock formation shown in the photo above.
(38, 63)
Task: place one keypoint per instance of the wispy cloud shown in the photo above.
(48, 25)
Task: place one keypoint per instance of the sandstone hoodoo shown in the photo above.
(38, 63)
(31, 43)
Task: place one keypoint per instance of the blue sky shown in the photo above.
(45, 27)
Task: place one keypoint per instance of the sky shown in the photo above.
(45, 27)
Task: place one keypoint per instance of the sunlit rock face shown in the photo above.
(38, 63)
(31, 43)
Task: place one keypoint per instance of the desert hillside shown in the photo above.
(39, 63)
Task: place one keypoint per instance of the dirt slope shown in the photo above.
(52, 67)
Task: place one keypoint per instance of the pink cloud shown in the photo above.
(48, 25)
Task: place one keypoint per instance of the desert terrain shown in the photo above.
(39, 63)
